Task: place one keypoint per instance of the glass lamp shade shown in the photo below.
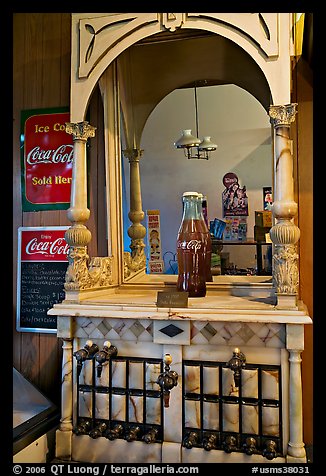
(187, 140)
(206, 144)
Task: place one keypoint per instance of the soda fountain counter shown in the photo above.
(237, 362)
(217, 379)
(35, 419)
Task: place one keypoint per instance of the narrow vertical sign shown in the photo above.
(42, 265)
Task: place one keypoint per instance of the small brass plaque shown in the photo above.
(172, 299)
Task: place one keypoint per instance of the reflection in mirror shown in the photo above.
(240, 126)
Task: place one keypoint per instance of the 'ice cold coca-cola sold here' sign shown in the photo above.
(42, 265)
(47, 157)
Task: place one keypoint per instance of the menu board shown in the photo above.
(42, 265)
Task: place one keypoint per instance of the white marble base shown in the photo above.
(101, 450)
(292, 459)
(171, 453)
(198, 455)
(63, 444)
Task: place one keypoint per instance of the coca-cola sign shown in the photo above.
(42, 262)
(44, 245)
(47, 158)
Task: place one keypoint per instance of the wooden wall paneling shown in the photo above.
(305, 175)
(50, 378)
(65, 54)
(18, 100)
(51, 66)
(33, 84)
(303, 149)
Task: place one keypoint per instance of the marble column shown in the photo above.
(136, 231)
(64, 434)
(284, 234)
(78, 236)
(295, 344)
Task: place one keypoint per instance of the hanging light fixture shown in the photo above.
(192, 146)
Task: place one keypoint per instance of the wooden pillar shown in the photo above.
(78, 236)
(136, 231)
(284, 234)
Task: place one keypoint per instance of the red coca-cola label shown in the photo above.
(43, 245)
(48, 158)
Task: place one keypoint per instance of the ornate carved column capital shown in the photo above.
(133, 155)
(282, 115)
(80, 130)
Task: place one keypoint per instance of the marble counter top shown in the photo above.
(142, 304)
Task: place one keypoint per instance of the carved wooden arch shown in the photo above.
(98, 39)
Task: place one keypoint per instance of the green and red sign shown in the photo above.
(47, 157)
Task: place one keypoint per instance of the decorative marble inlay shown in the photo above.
(192, 379)
(85, 404)
(152, 373)
(135, 409)
(249, 381)
(238, 333)
(270, 384)
(223, 333)
(192, 414)
(230, 417)
(102, 402)
(270, 421)
(85, 377)
(104, 379)
(118, 374)
(137, 328)
(250, 419)
(136, 375)
(153, 411)
(211, 380)
(171, 330)
(211, 416)
(114, 329)
(118, 407)
(228, 385)
(208, 331)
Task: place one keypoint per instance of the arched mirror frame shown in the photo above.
(97, 40)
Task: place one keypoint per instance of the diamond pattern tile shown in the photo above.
(137, 328)
(104, 327)
(245, 332)
(208, 331)
(171, 330)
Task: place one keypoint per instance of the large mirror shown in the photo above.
(158, 81)
(239, 125)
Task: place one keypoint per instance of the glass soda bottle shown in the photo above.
(202, 203)
(191, 248)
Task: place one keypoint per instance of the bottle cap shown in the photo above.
(190, 194)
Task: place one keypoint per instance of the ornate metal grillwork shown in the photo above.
(246, 419)
(141, 415)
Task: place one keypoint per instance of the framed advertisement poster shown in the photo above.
(46, 159)
(234, 197)
(41, 269)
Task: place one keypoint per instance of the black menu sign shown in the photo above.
(42, 265)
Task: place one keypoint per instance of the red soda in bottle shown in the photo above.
(191, 248)
(202, 203)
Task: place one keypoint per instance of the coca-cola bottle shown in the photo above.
(191, 248)
(201, 201)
